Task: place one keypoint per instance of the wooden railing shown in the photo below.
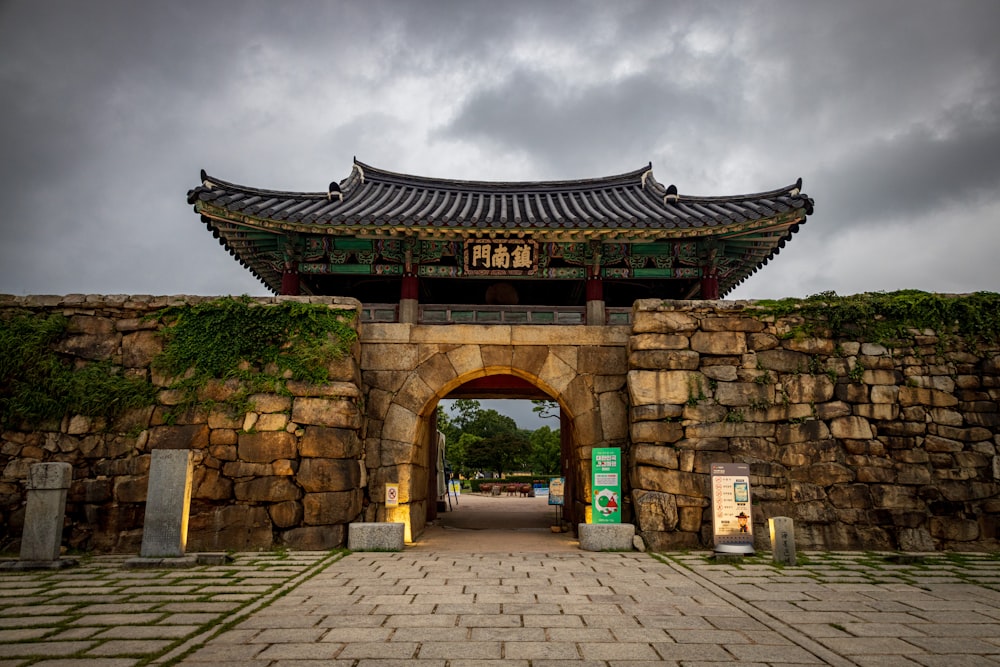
(474, 314)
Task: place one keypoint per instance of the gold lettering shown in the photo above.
(522, 257)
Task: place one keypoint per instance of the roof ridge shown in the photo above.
(377, 174)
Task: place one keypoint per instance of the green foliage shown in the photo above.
(219, 339)
(261, 345)
(886, 318)
(546, 451)
(37, 384)
(485, 440)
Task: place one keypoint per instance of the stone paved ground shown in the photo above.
(523, 609)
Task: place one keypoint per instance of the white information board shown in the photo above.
(732, 522)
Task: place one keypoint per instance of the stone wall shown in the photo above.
(865, 447)
(288, 472)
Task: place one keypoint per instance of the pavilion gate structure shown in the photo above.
(520, 289)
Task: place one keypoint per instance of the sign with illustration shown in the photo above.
(556, 486)
(492, 257)
(732, 523)
(606, 484)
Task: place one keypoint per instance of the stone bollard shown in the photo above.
(44, 515)
(782, 540)
(168, 502)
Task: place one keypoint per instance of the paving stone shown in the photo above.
(130, 646)
(536, 651)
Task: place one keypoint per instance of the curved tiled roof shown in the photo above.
(372, 201)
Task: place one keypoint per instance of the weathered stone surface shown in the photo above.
(676, 387)
(140, 348)
(662, 322)
(660, 456)
(665, 359)
(326, 412)
(657, 432)
(658, 342)
(314, 538)
(331, 443)
(671, 481)
(329, 474)
(808, 388)
(331, 508)
(744, 393)
(812, 430)
(286, 514)
(272, 489)
(810, 345)
(266, 447)
(786, 361)
(723, 342)
(851, 427)
(191, 436)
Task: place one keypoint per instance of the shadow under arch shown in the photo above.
(399, 442)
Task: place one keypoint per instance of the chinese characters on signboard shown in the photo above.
(500, 257)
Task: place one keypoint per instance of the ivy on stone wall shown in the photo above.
(888, 317)
(38, 384)
(260, 345)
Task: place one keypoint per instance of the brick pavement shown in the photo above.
(525, 609)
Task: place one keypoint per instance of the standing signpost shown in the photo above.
(606, 484)
(732, 524)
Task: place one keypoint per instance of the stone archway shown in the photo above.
(407, 369)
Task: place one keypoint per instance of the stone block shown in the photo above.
(658, 342)
(662, 322)
(656, 432)
(785, 361)
(811, 345)
(664, 359)
(856, 428)
(606, 536)
(654, 511)
(326, 412)
(659, 456)
(744, 393)
(719, 343)
(782, 530)
(329, 474)
(339, 507)
(314, 538)
(809, 388)
(168, 502)
(331, 443)
(270, 489)
(730, 323)
(47, 486)
(375, 536)
(671, 387)
(266, 446)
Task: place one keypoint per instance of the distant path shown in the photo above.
(479, 523)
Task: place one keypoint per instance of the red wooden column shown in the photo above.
(409, 294)
(595, 301)
(709, 283)
(289, 282)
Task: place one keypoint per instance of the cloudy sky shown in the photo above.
(888, 110)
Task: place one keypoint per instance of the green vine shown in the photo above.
(881, 317)
(38, 384)
(262, 346)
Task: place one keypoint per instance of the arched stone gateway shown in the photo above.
(407, 369)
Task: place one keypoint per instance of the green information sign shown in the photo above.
(606, 484)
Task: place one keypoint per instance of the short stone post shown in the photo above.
(782, 540)
(44, 514)
(168, 501)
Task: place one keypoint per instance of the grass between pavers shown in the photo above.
(980, 569)
(45, 592)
